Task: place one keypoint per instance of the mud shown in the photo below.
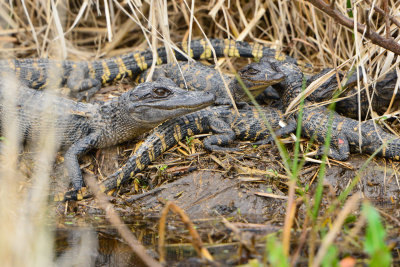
(248, 188)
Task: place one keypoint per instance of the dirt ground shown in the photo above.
(248, 188)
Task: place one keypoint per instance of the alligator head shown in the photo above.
(151, 103)
(257, 77)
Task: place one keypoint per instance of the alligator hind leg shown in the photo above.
(81, 86)
(339, 148)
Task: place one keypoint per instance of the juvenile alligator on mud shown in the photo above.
(349, 106)
(80, 127)
(223, 121)
(199, 77)
(227, 126)
(380, 97)
(84, 78)
(345, 132)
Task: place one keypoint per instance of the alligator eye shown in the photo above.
(161, 92)
(251, 71)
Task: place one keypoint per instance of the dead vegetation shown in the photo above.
(86, 30)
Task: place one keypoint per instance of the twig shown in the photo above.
(380, 11)
(350, 205)
(122, 229)
(375, 38)
(196, 240)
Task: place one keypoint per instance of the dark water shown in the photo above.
(202, 194)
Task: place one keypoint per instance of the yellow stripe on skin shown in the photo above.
(185, 49)
(119, 179)
(41, 78)
(162, 139)
(247, 133)
(44, 85)
(139, 164)
(230, 49)
(122, 68)
(91, 70)
(206, 50)
(259, 132)
(280, 56)
(384, 151)
(140, 61)
(59, 197)
(106, 72)
(257, 51)
(79, 195)
(150, 151)
(198, 124)
(177, 133)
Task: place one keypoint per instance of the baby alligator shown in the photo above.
(199, 77)
(221, 120)
(380, 97)
(345, 132)
(80, 127)
(84, 78)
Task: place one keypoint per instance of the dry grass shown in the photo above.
(83, 30)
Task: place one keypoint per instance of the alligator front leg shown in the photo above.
(223, 136)
(290, 127)
(72, 155)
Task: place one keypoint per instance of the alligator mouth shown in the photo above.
(207, 100)
(258, 86)
(263, 83)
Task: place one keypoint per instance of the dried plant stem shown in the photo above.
(375, 38)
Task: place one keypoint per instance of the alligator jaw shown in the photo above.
(189, 103)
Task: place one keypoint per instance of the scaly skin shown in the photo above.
(349, 106)
(84, 78)
(345, 135)
(221, 120)
(344, 131)
(196, 76)
(380, 98)
(80, 127)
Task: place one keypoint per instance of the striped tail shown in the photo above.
(391, 149)
(133, 64)
(163, 138)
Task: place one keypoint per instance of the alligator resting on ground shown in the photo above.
(346, 133)
(79, 127)
(199, 77)
(378, 98)
(223, 121)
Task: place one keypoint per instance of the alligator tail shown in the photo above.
(134, 63)
(391, 148)
(160, 140)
